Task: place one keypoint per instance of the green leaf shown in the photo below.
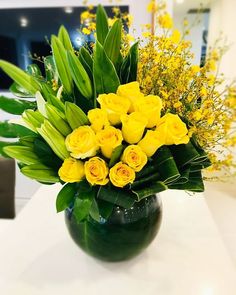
(166, 165)
(60, 58)
(75, 116)
(28, 140)
(105, 76)
(53, 100)
(25, 80)
(65, 197)
(120, 197)
(79, 75)
(50, 69)
(23, 154)
(105, 208)
(116, 155)
(18, 91)
(10, 130)
(15, 106)
(194, 184)
(129, 67)
(4, 144)
(64, 37)
(101, 24)
(152, 189)
(112, 43)
(184, 154)
(46, 154)
(83, 205)
(40, 173)
(84, 53)
(94, 211)
(145, 181)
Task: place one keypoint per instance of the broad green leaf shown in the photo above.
(120, 197)
(112, 43)
(105, 208)
(105, 76)
(46, 154)
(151, 189)
(116, 155)
(23, 154)
(194, 184)
(18, 91)
(15, 106)
(40, 173)
(83, 204)
(65, 197)
(10, 130)
(64, 37)
(166, 165)
(79, 75)
(184, 154)
(145, 181)
(60, 58)
(94, 211)
(50, 69)
(101, 24)
(25, 80)
(75, 116)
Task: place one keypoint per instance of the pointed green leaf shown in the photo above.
(10, 130)
(15, 106)
(79, 75)
(101, 24)
(116, 155)
(60, 58)
(65, 197)
(129, 67)
(112, 43)
(23, 154)
(26, 81)
(64, 37)
(40, 173)
(4, 144)
(86, 57)
(105, 76)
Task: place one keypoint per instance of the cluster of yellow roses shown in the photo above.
(123, 116)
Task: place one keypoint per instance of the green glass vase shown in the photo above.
(125, 234)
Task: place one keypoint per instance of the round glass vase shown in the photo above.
(125, 234)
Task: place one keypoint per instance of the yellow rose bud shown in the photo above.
(150, 143)
(150, 106)
(134, 157)
(133, 127)
(72, 170)
(130, 91)
(82, 143)
(96, 171)
(98, 119)
(114, 105)
(108, 139)
(172, 130)
(121, 175)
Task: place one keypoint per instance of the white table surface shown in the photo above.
(188, 257)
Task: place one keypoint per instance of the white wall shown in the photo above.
(222, 19)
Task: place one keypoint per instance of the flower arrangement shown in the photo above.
(116, 123)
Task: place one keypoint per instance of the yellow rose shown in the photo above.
(82, 143)
(121, 175)
(172, 130)
(130, 91)
(134, 157)
(72, 170)
(114, 105)
(150, 106)
(133, 127)
(98, 119)
(150, 143)
(108, 139)
(96, 171)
